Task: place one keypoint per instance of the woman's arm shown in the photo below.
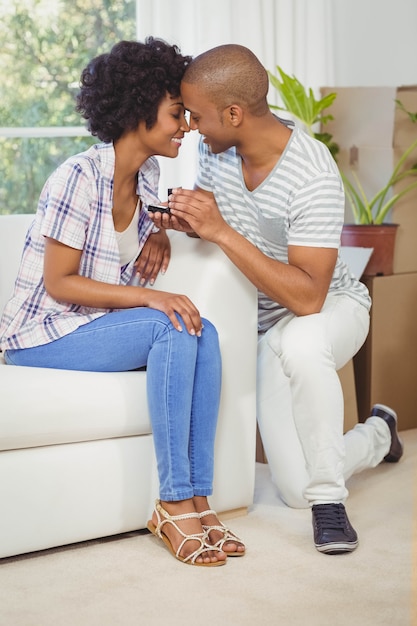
(64, 284)
(154, 257)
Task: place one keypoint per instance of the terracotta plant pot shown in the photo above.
(380, 237)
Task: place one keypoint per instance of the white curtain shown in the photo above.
(294, 34)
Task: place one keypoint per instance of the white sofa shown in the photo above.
(76, 448)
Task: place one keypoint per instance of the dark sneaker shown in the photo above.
(390, 417)
(333, 533)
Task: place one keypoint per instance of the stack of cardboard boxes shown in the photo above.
(369, 127)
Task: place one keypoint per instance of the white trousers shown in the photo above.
(300, 404)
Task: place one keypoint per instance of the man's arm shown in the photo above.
(300, 286)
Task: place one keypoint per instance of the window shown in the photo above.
(45, 46)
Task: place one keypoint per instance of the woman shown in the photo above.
(75, 305)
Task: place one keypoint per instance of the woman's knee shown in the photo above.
(210, 332)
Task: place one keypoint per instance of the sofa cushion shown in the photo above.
(41, 407)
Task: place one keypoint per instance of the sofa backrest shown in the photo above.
(13, 230)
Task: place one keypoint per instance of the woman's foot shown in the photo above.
(178, 525)
(218, 535)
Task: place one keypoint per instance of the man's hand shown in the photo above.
(154, 258)
(169, 222)
(193, 211)
(198, 208)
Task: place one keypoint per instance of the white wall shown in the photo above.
(375, 43)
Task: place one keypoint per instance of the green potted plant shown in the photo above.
(375, 210)
(370, 229)
(303, 105)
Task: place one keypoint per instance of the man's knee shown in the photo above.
(294, 498)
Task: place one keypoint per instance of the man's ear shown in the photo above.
(234, 114)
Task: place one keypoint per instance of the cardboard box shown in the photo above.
(372, 133)
(347, 378)
(386, 365)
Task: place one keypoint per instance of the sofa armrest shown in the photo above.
(200, 270)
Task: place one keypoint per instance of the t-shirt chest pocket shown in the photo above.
(273, 226)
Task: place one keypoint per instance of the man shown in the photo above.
(271, 197)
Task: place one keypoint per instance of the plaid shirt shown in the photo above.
(75, 208)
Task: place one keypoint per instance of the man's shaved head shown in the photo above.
(230, 74)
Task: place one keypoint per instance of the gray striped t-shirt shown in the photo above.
(300, 203)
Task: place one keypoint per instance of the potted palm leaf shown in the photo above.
(304, 107)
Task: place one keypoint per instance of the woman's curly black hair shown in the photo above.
(125, 86)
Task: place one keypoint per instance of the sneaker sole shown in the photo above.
(337, 548)
(391, 458)
(387, 409)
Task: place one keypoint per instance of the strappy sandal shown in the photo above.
(163, 518)
(228, 535)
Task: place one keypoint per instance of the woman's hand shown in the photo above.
(154, 258)
(173, 304)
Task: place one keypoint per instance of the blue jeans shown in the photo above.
(183, 385)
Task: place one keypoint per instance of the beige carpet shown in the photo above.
(283, 580)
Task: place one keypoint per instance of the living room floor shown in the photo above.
(132, 579)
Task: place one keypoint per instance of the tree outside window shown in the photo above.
(45, 46)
